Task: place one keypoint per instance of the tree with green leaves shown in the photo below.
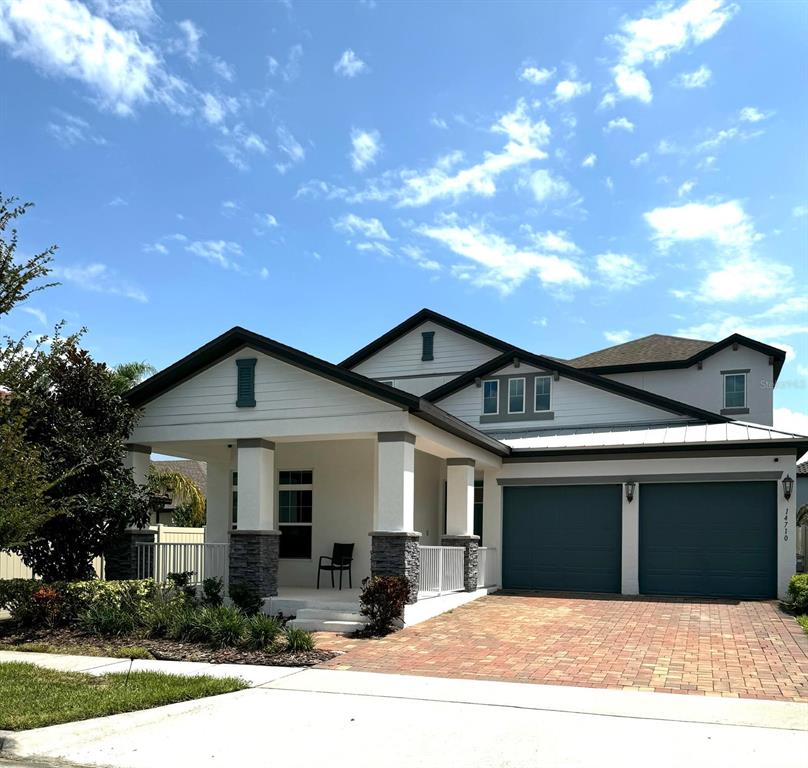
(183, 491)
(127, 375)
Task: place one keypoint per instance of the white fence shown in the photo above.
(12, 566)
(441, 570)
(486, 566)
(204, 561)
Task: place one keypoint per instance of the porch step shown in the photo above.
(330, 615)
(326, 625)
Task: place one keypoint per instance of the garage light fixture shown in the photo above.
(630, 491)
(788, 487)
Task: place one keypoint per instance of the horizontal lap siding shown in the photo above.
(571, 402)
(452, 352)
(282, 391)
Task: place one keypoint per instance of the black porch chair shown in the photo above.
(340, 560)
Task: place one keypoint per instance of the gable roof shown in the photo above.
(422, 316)
(577, 374)
(238, 338)
(659, 352)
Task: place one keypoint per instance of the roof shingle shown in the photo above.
(656, 348)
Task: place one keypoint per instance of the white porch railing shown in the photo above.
(441, 570)
(486, 566)
(203, 560)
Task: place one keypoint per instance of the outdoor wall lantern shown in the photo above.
(630, 491)
(788, 487)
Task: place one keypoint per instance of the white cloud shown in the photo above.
(791, 421)
(290, 147)
(685, 188)
(557, 242)
(63, 38)
(241, 141)
(371, 228)
(617, 337)
(746, 279)
(214, 110)
(524, 141)
(655, 36)
(699, 78)
(641, 159)
(752, 115)
(416, 255)
(439, 122)
(223, 69)
(799, 211)
(619, 124)
(264, 273)
(535, 75)
(291, 70)
(99, 278)
(566, 90)
(70, 130)
(266, 220)
(117, 202)
(496, 262)
(589, 161)
(37, 313)
(193, 36)
(350, 65)
(619, 271)
(365, 148)
(546, 186)
(139, 14)
(724, 224)
(219, 252)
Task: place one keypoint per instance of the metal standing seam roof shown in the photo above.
(687, 434)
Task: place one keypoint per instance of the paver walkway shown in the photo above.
(746, 649)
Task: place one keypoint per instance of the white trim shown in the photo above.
(535, 394)
(744, 404)
(524, 393)
(483, 411)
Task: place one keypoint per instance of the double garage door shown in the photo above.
(713, 539)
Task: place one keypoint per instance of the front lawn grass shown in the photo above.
(34, 697)
(803, 620)
(120, 652)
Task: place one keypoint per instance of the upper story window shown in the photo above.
(542, 393)
(734, 390)
(491, 396)
(516, 395)
(428, 345)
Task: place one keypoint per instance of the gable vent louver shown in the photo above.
(245, 383)
(427, 345)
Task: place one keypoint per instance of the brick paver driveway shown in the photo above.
(710, 647)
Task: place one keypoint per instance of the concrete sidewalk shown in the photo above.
(307, 717)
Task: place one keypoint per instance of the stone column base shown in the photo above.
(254, 560)
(121, 556)
(396, 553)
(471, 545)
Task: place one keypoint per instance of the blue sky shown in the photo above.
(562, 175)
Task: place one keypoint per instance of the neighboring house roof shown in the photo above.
(686, 436)
(238, 338)
(423, 316)
(658, 352)
(585, 377)
(196, 470)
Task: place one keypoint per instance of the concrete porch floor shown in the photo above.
(290, 600)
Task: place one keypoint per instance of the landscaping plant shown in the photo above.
(382, 601)
(246, 599)
(298, 640)
(263, 631)
(212, 589)
(798, 593)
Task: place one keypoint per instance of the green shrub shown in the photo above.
(181, 582)
(107, 619)
(382, 601)
(135, 595)
(298, 639)
(17, 597)
(227, 626)
(246, 599)
(212, 589)
(262, 631)
(798, 593)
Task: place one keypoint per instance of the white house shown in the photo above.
(650, 467)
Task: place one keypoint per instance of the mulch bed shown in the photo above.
(74, 641)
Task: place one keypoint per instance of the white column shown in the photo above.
(459, 497)
(256, 485)
(630, 573)
(218, 516)
(492, 519)
(786, 529)
(395, 507)
(138, 459)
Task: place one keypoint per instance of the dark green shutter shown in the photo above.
(245, 383)
(428, 338)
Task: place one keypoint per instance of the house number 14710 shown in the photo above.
(785, 526)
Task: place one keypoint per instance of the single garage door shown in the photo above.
(716, 539)
(564, 538)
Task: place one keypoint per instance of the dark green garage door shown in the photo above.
(562, 538)
(715, 539)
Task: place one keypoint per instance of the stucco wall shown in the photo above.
(429, 477)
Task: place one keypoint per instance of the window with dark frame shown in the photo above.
(734, 390)
(491, 397)
(234, 496)
(295, 496)
(542, 393)
(516, 395)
